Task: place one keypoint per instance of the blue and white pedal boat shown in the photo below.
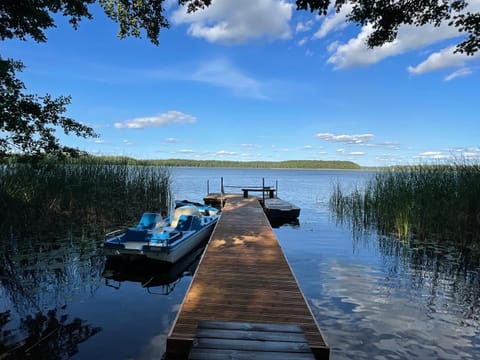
(165, 239)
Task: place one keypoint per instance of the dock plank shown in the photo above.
(240, 340)
(243, 276)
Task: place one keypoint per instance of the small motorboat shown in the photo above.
(165, 239)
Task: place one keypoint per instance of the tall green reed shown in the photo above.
(416, 201)
(53, 192)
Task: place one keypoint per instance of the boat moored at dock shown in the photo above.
(165, 239)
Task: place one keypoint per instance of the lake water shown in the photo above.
(374, 297)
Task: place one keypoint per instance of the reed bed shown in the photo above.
(53, 192)
(441, 201)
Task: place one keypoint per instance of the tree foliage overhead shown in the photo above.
(20, 19)
(386, 17)
(28, 121)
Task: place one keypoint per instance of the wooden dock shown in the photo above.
(244, 278)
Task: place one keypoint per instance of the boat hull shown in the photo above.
(176, 251)
(127, 252)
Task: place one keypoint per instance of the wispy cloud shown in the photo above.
(128, 143)
(468, 153)
(184, 151)
(356, 53)
(304, 26)
(384, 144)
(334, 21)
(219, 72)
(459, 73)
(251, 146)
(101, 142)
(223, 73)
(168, 118)
(303, 41)
(223, 153)
(349, 139)
(233, 22)
(437, 155)
(446, 58)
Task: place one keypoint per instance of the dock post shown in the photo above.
(263, 190)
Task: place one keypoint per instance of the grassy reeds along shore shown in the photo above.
(85, 190)
(441, 201)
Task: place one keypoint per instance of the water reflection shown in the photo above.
(44, 272)
(156, 277)
(48, 336)
(39, 275)
(370, 316)
(413, 299)
(277, 223)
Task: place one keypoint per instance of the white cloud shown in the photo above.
(238, 21)
(251, 146)
(458, 73)
(334, 21)
(223, 73)
(304, 26)
(445, 58)
(170, 140)
(432, 155)
(225, 153)
(170, 117)
(357, 153)
(465, 152)
(349, 139)
(356, 53)
(385, 144)
(128, 142)
(303, 41)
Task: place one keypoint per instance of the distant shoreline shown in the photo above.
(280, 165)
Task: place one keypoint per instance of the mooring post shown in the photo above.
(263, 190)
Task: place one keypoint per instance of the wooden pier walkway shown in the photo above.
(244, 278)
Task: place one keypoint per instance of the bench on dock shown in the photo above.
(264, 190)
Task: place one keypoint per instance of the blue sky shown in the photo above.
(258, 80)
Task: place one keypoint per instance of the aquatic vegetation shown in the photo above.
(416, 201)
(52, 192)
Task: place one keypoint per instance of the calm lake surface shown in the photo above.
(374, 297)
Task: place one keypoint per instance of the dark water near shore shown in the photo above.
(374, 298)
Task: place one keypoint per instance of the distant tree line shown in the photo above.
(289, 164)
(124, 160)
